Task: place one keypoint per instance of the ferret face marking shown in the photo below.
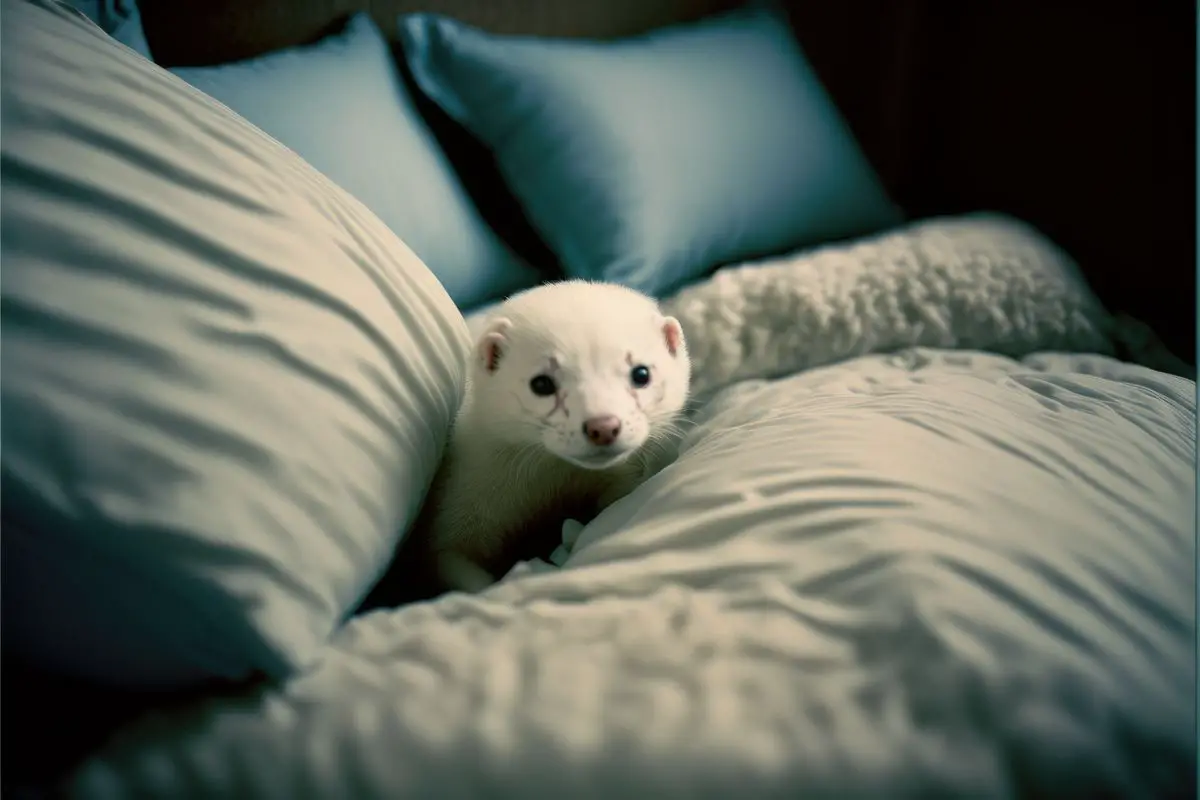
(592, 384)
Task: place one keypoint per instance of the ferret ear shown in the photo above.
(673, 335)
(490, 347)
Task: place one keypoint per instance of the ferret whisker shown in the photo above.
(524, 461)
(665, 432)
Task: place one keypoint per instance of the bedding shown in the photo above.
(931, 573)
(650, 160)
(341, 105)
(181, 295)
(925, 536)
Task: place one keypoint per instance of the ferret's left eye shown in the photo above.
(543, 385)
(639, 376)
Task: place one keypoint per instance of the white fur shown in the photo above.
(587, 337)
(518, 461)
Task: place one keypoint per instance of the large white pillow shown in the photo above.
(226, 383)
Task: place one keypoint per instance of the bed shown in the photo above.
(931, 527)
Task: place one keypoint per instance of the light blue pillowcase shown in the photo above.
(130, 33)
(120, 19)
(653, 159)
(341, 105)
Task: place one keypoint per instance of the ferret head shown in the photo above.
(588, 371)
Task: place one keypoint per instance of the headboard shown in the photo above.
(1078, 118)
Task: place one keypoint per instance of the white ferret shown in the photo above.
(573, 393)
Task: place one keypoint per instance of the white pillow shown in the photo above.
(226, 383)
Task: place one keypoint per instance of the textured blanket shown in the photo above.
(926, 575)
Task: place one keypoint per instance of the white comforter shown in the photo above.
(928, 574)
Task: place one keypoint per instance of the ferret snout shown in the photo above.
(602, 431)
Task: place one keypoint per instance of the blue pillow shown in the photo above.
(341, 105)
(120, 19)
(653, 159)
(129, 32)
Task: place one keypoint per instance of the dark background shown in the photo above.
(1077, 117)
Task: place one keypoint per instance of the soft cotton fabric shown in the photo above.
(341, 105)
(226, 382)
(930, 574)
(653, 159)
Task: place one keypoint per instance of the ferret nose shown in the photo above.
(602, 431)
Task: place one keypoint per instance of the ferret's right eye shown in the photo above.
(543, 385)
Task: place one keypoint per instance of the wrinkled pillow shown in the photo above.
(226, 382)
